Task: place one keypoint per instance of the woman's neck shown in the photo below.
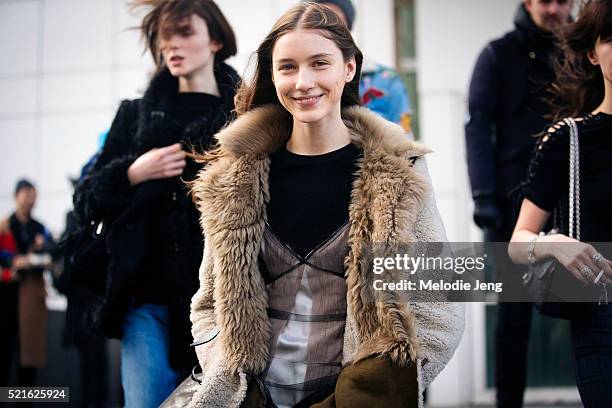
(322, 137)
(22, 215)
(202, 80)
(606, 104)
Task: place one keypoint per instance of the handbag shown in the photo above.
(538, 279)
(86, 256)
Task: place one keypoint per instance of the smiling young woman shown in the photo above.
(136, 186)
(300, 185)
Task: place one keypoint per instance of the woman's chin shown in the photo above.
(307, 116)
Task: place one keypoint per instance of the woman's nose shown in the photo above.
(169, 43)
(304, 80)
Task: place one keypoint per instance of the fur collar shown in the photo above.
(232, 193)
(155, 125)
(264, 130)
(163, 86)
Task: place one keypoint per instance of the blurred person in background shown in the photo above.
(582, 90)
(137, 186)
(506, 108)
(26, 249)
(381, 89)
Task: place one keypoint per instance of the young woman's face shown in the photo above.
(309, 75)
(189, 48)
(602, 56)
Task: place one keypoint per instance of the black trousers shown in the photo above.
(511, 340)
(9, 338)
(513, 325)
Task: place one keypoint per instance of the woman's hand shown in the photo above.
(157, 163)
(20, 262)
(581, 259)
(574, 255)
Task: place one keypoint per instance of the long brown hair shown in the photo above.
(579, 85)
(305, 16)
(166, 17)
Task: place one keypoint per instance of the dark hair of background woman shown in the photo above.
(307, 16)
(167, 17)
(579, 85)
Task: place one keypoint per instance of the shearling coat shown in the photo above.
(391, 202)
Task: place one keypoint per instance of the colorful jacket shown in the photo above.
(8, 249)
(382, 90)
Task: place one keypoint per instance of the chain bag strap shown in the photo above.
(574, 193)
(574, 180)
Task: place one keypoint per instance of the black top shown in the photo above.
(548, 179)
(310, 195)
(25, 235)
(189, 106)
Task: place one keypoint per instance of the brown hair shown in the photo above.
(579, 85)
(305, 16)
(167, 15)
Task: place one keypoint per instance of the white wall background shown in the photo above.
(68, 63)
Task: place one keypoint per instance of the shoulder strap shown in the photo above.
(574, 179)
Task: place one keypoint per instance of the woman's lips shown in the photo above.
(309, 101)
(176, 60)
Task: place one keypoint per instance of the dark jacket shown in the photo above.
(506, 109)
(154, 238)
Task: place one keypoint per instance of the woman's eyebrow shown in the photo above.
(316, 56)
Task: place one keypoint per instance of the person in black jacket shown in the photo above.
(506, 109)
(138, 187)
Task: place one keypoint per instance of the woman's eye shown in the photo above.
(285, 67)
(185, 33)
(321, 63)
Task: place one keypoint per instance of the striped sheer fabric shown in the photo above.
(307, 311)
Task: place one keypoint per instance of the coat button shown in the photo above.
(176, 247)
(532, 54)
(174, 196)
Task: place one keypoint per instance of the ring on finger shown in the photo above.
(599, 275)
(586, 271)
(597, 258)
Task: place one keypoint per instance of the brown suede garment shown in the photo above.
(372, 382)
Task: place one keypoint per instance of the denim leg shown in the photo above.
(146, 376)
(592, 350)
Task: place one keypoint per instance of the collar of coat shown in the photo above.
(154, 128)
(232, 193)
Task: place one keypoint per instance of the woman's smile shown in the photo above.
(307, 101)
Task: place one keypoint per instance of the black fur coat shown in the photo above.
(154, 227)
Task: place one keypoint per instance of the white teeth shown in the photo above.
(306, 101)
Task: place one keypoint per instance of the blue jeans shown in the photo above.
(592, 350)
(146, 376)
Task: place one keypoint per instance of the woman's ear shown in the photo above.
(351, 68)
(215, 46)
(592, 56)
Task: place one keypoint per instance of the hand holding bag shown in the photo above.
(538, 279)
